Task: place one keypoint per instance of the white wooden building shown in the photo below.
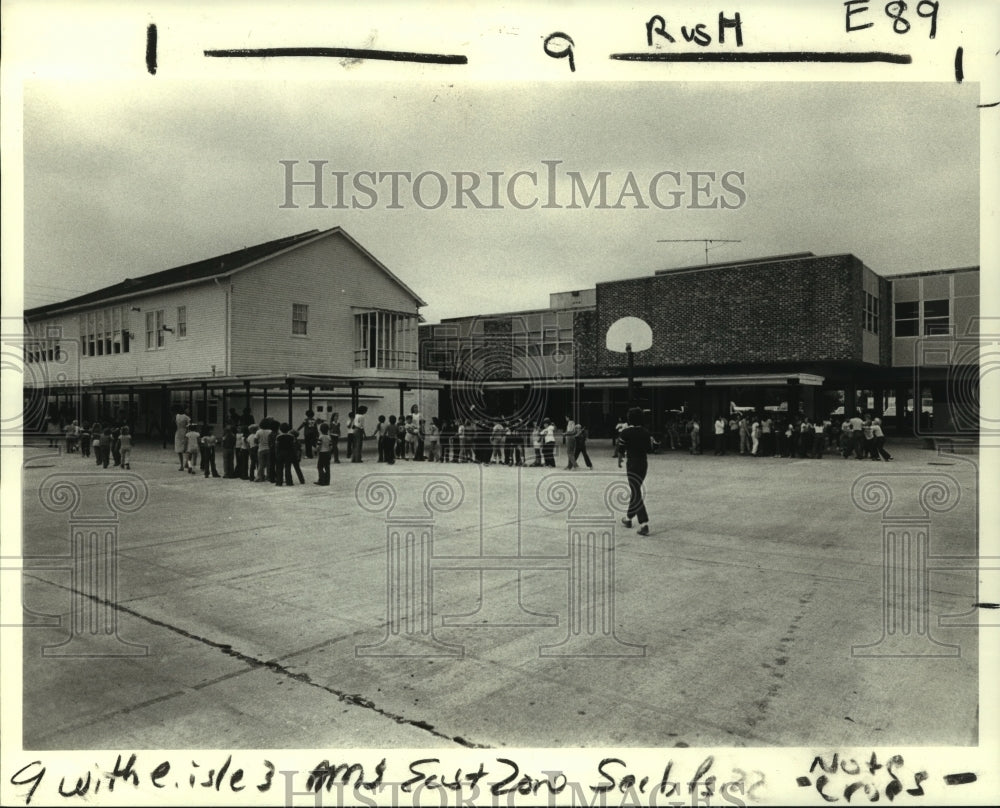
(313, 320)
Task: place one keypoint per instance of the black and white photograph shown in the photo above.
(625, 374)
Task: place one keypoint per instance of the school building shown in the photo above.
(313, 320)
(793, 334)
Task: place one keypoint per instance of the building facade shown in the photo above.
(800, 334)
(308, 321)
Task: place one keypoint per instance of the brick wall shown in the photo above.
(803, 310)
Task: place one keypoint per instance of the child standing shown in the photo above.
(125, 448)
(191, 438)
(297, 456)
(95, 442)
(284, 451)
(116, 451)
(85, 438)
(496, 441)
(432, 440)
(264, 451)
(72, 437)
(104, 442)
(536, 442)
(229, 453)
(242, 453)
(335, 436)
(379, 436)
(208, 443)
(252, 443)
(324, 450)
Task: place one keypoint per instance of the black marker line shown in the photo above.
(349, 53)
(769, 56)
(960, 779)
(959, 71)
(151, 48)
(987, 106)
(987, 605)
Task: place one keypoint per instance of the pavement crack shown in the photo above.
(276, 667)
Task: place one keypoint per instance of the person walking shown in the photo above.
(125, 444)
(581, 447)
(878, 438)
(635, 442)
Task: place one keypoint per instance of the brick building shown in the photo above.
(309, 321)
(796, 333)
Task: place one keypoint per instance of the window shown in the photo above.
(154, 330)
(871, 313)
(385, 339)
(936, 317)
(42, 342)
(105, 332)
(116, 334)
(182, 322)
(300, 318)
(907, 319)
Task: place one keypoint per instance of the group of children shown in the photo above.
(108, 443)
(507, 441)
(755, 435)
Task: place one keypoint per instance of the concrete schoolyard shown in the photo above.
(251, 616)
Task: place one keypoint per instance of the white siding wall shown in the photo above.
(335, 280)
(204, 346)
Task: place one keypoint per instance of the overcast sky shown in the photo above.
(130, 178)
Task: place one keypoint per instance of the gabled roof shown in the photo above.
(219, 266)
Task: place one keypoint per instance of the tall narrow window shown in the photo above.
(182, 321)
(300, 318)
(871, 313)
(907, 319)
(936, 317)
(154, 329)
(116, 338)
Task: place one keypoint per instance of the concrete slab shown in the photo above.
(760, 577)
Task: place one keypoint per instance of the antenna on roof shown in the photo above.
(706, 241)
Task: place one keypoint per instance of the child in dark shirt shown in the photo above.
(284, 453)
